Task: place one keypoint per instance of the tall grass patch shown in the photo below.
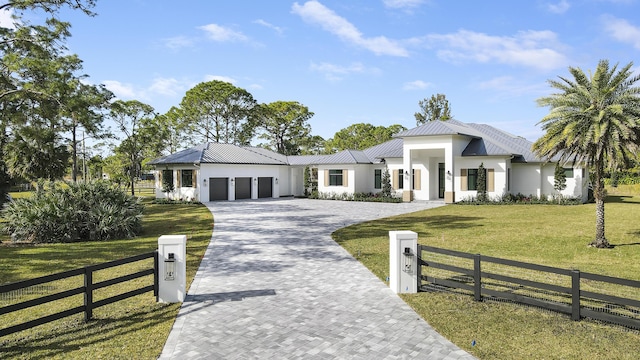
(76, 212)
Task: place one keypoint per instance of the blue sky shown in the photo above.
(359, 61)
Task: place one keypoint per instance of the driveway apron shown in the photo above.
(274, 285)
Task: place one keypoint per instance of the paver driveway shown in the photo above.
(274, 285)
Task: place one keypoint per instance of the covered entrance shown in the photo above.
(218, 189)
(243, 188)
(265, 187)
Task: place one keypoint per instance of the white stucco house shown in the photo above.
(435, 161)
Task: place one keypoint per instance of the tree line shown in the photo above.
(49, 110)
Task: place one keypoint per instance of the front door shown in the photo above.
(441, 180)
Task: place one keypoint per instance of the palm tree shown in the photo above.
(594, 120)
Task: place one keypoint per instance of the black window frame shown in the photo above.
(335, 177)
(472, 179)
(186, 178)
(377, 179)
(568, 173)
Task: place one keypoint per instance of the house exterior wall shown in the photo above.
(348, 179)
(180, 192)
(499, 166)
(363, 178)
(232, 171)
(297, 181)
(526, 179)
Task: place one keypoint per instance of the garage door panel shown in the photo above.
(265, 187)
(243, 188)
(218, 189)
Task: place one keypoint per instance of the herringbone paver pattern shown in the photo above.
(274, 285)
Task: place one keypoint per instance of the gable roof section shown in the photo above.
(389, 149)
(188, 156)
(500, 142)
(346, 157)
(485, 139)
(434, 128)
(216, 153)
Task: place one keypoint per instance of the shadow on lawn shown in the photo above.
(625, 199)
(63, 340)
(427, 224)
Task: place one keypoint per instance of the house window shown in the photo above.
(568, 173)
(335, 177)
(472, 179)
(508, 179)
(377, 179)
(186, 178)
(401, 179)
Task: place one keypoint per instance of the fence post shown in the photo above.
(156, 275)
(477, 278)
(575, 295)
(419, 266)
(88, 293)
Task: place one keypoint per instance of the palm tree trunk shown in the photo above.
(598, 192)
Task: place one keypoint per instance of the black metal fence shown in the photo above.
(573, 292)
(17, 290)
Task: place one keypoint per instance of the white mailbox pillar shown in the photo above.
(403, 261)
(172, 268)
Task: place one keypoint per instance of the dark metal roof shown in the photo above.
(389, 149)
(346, 157)
(216, 153)
(484, 140)
(434, 128)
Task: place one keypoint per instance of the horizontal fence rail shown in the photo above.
(16, 291)
(579, 294)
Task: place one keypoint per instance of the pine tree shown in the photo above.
(559, 180)
(386, 183)
(481, 186)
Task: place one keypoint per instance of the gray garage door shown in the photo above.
(243, 188)
(265, 187)
(218, 189)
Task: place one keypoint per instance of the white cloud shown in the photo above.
(277, 29)
(315, 13)
(6, 19)
(178, 42)
(166, 86)
(220, 33)
(335, 72)
(559, 8)
(509, 87)
(122, 90)
(536, 49)
(255, 87)
(416, 85)
(621, 30)
(400, 4)
(220, 78)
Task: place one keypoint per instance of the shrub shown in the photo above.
(510, 199)
(77, 212)
(369, 197)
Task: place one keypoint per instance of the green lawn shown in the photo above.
(136, 328)
(542, 234)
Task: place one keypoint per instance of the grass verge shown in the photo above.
(543, 234)
(135, 328)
